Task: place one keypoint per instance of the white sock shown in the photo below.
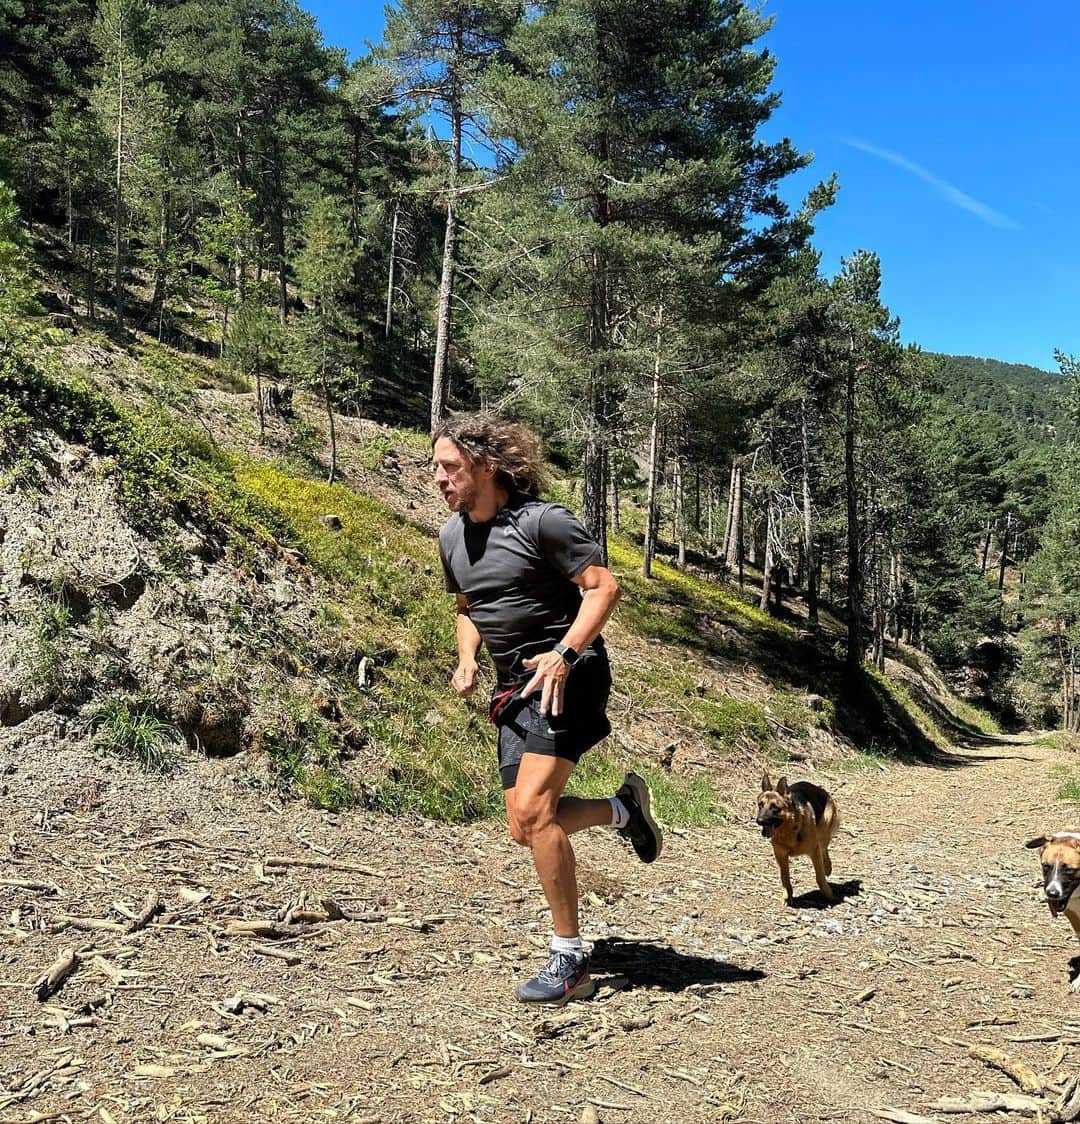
(620, 817)
(571, 945)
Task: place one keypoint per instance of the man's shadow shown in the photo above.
(653, 965)
(815, 899)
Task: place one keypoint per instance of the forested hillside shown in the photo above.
(566, 213)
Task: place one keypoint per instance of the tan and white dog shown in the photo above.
(1060, 857)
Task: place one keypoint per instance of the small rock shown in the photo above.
(589, 1115)
(331, 522)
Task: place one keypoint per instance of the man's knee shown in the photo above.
(516, 833)
(531, 816)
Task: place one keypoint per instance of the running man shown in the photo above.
(531, 588)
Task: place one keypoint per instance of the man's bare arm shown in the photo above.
(601, 595)
(468, 647)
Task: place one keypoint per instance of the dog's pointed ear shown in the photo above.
(766, 784)
(1036, 844)
(782, 786)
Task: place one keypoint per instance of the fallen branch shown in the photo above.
(86, 924)
(1023, 1075)
(25, 884)
(281, 862)
(899, 1116)
(290, 958)
(979, 1101)
(150, 909)
(50, 982)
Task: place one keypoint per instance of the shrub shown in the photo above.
(133, 731)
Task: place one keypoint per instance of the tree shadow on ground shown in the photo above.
(815, 899)
(646, 964)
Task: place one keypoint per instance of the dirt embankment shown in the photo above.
(715, 1001)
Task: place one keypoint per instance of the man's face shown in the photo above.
(459, 479)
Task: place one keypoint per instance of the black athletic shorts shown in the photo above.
(583, 722)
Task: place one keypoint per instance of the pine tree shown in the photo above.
(439, 50)
(637, 162)
(324, 269)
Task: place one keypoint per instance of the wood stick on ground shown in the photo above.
(1068, 1106)
(58, 971)
(25, 884)
(290, 958)
(283, 861)
(151, 907)
(979, 1101)
(267, 930)
(86, 924)
(1023, 1075)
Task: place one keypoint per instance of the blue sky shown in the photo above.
(952, 127)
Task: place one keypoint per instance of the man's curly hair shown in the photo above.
(513, 449)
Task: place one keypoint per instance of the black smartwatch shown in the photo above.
(567, 653)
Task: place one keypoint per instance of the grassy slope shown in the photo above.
(706, 681)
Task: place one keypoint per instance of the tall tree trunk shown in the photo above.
(70, 204)
(733, 554)
(329, 415)
(767, 567)
(1004, 561)
(808, 526)
(157, 301)
(440, 387)
(91, 279)
(118, 213)
(594, 493)
(725, 550)
(260, 403)
(278, 225)
(616, 515)
(854, 562)
(652, 521)
(393, 267)
(750, 518)
(679, 483)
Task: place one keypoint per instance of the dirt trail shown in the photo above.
(715, 1001)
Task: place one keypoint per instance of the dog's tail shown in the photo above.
(830, 821)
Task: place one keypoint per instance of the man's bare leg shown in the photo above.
(533, 810)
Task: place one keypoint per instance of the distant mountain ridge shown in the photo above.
(1029, 397)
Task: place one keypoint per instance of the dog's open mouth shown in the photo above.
(1056, 905)
(769, 828)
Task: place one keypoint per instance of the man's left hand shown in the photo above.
(550, 678)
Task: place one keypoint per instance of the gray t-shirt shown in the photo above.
(515, 573)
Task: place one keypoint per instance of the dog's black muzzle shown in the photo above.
(768, 825)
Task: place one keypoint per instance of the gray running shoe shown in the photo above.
(641, 829)
(564, 977)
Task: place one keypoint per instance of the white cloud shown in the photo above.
(953, 194)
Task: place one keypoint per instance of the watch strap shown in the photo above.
(569, 654)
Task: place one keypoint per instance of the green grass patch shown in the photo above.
(1068, 779)
(166, 471)
(863, 761)
(50, 643)
(132, 730)
(437, 752)
(304, 749)
(678, 608)
(903, 699)
(677, 801)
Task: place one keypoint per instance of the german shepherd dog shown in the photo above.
(1060, 858)
(798, 819)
